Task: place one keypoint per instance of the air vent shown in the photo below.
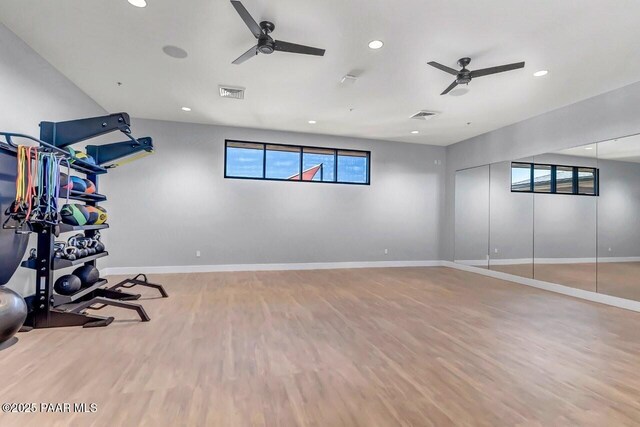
(424, 115)
(231, 92)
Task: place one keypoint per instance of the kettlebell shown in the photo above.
(71, 253)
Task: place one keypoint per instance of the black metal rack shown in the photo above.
(53, 310)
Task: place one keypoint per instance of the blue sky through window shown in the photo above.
(282, 164)
(243, 162)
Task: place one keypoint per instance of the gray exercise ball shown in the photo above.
(13, 313)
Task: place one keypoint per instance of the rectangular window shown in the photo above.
(353, 167)
(564, 179)
(521, 177)
(542, 178)
(318, 164)
(282, 162)
(244, 160)
(587, 181)
(295, 163)
(554, 179)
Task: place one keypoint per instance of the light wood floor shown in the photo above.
(619, 279)
(366, 347)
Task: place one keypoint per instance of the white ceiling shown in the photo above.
(589, 47)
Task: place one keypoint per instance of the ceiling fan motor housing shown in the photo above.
(266, 45)
(464, 77)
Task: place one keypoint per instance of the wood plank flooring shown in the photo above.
(618, 279)
(362, 347)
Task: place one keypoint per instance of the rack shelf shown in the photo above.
(60, 263)
(65, 228)
(66, 299)
(87, 168)
(84, 197)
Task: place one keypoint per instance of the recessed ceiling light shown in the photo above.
(175, 52)
(415, 131)
(312, 122)
(186, 109)
(588, 148)
(375, 44)
(138, 3)
(541, 73)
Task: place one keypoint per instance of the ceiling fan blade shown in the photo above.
(247, 55)
(451, 86)
(247, 18)
(443, 68)
(495, 70)
(297, 48)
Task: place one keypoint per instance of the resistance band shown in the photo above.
(25, 182)
(48, 187)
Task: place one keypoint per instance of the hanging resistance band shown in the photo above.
(25, 183)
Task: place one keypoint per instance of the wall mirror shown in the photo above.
(618, 271)
(511, 218)
(570, 217)
(565, 209)
(472, 217)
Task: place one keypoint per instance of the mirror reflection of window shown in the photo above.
(586, 181)
(520, 177)
(542, 178)
(564, 179)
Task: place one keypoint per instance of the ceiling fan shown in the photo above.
(464, 76)
(266, 44)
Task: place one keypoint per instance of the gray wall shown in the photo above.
(32, 91)
(564, 226)
(511, 218)
(165, 207)
(606, 116)
(472, 216)
(619, 209)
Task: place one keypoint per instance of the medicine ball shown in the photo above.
(90, 186)
(102, 218)
(65, 184)
(78, 184)
(85, 157)
(87, 274)
(94, 214)
(72, 152)
(74, 214)
(67, 284)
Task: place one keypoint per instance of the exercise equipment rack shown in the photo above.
(50, 309)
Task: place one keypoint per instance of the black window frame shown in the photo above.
(553, 189)
(301, 149)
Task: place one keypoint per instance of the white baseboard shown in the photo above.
(565, 290)
(265, 267)
(619, 259)
(516, 261)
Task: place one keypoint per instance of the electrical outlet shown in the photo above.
(609, 249)
(495, 250)
(386, 251)
(197, 254)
